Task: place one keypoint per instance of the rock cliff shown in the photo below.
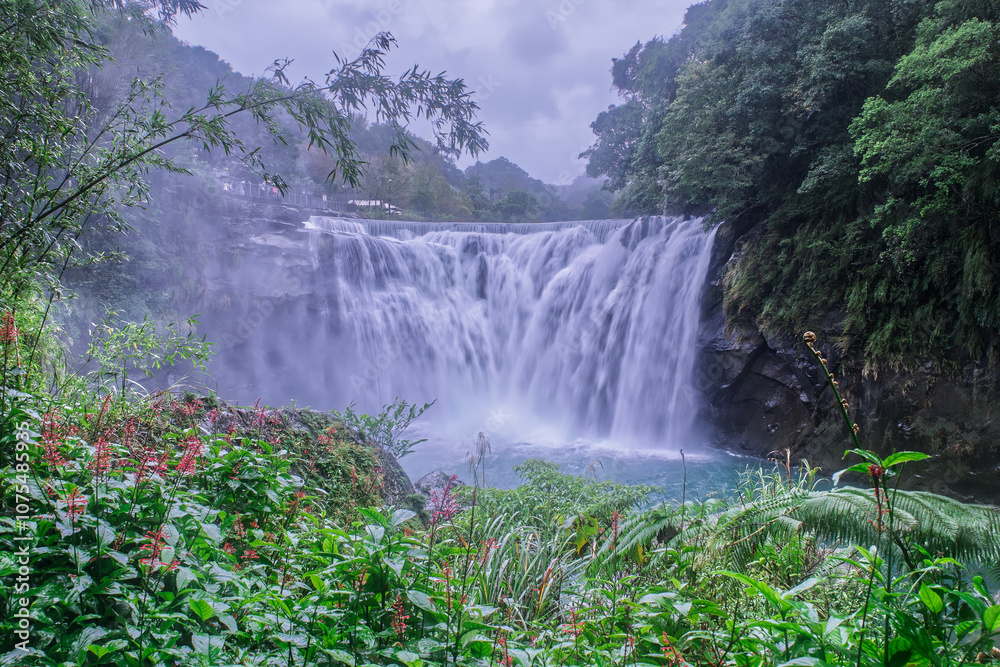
(765, 394)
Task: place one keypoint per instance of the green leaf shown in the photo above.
(485, 611)
(931, 599)
(167, 554)
(974, 602)
(964, 628)
(409, 659)
(340, 656)
(99, 651)
(655, 598)
(366, 636)
(402, 516)
(421, 600)
(229, 622)
(801, 588)
(297, 640)
(865, 454)
(206, 644)
(185, 576)
(769, 593)
(372, 515)
(105, 536)
(991, 619)
(86, 637)
(7, 565)
(375, 532)
(900, 658)
(903, 457)
(212, 532)
(203, 608)
(473, 636)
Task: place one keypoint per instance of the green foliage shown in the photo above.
(547, 497)
(859, 138)
(517, 206)
(346, 472)
(386, 428)
(119, 348)
(930, 142)
(174, 534)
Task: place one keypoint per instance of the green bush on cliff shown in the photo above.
(859, 140)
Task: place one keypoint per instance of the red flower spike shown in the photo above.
(8, 328)
(399, 618)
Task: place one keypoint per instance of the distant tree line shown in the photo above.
(427, 185)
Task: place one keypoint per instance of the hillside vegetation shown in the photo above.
(859, 142)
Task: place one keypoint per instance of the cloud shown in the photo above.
(534, 42)
(540, 68)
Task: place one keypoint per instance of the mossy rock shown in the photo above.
(345, 470)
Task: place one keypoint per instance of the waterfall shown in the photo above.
(589, 325)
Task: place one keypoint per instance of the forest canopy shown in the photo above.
(858, 141)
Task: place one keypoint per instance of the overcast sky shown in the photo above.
(541, 68)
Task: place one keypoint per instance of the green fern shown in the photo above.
(775, 509)
(935, 523)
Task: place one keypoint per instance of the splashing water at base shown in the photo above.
(704, 471)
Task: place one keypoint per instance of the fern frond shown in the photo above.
(637, 530)
(945, 525)
(849, 515)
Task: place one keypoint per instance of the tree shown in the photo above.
(386, 181)
(480, 203)
(517, 206)
(860, 139)
(930, 147)
(597, 205)
(71, 161)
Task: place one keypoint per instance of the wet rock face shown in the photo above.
(396, 484)
(766, 393)
(433, 484)
(765, 400)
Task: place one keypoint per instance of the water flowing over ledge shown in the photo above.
(402, 229)
(589, 327)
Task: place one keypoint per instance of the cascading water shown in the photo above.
(589, 326)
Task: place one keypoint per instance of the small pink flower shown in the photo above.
(399, 618)
(76, 503)
(8, 328)
(192, 450)
(102, 457)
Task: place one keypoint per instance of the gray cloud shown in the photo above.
(533, 41)
(540, 68)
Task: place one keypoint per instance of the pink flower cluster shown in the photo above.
(154, 549)
(444, 505)
(189, 461)
(8, 328)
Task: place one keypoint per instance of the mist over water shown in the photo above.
(528, 332)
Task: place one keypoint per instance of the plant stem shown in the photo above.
(683, 489)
